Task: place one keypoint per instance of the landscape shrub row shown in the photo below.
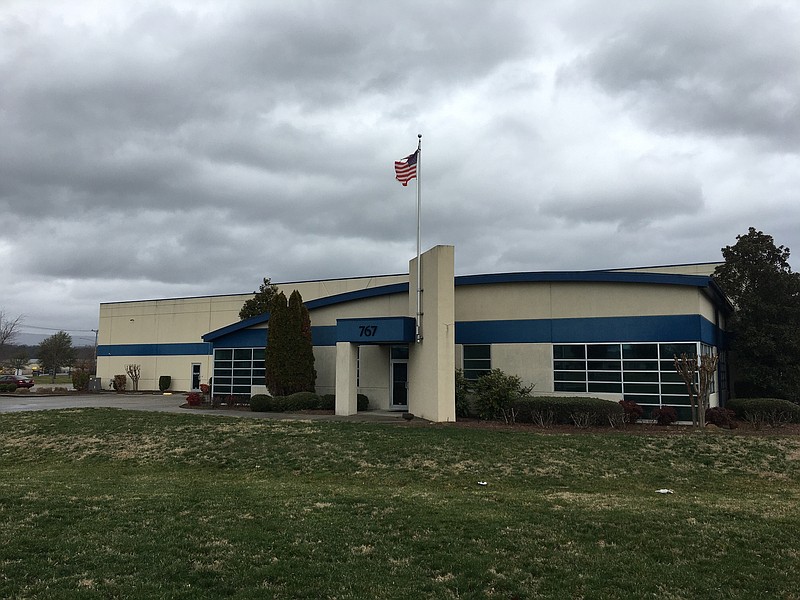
(6, 388)
(765, 411)
(546, 411)
(299, 401)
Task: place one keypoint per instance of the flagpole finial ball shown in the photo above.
(419, 135)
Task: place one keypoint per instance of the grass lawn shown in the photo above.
(47, 380)
(103, 503)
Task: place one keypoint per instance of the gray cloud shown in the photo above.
(158, 149)
(706, 67)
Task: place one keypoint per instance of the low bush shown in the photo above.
(765, 411)
(462, 394)
(22, 391)
(260, 403)
(194, 399)
(80, 380)
(632, 411)
(164, 381)
(300, 401)
(120, 382)
(6, 388)
(721, 417)
(560, 410)
(495, 395)
(666, 415)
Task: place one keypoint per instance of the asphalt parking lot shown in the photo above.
(10, 403)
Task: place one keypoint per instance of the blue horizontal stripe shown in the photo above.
(154, 349)
(323, 335)
(666, 328)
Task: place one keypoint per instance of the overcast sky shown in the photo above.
(156, 149)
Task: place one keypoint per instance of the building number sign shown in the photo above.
(367, 330)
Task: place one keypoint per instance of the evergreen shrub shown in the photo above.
(261, 403)
(462, 394)
(302, 401)
(765, 411)
(164, 381)
(6, 388)
(80, 380)
(120, 383)
(362, 402)
(327, 402)
(495, 394)
(574, 410)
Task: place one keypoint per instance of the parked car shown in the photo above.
(20, 381)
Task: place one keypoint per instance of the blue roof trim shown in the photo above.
(228, 329)
(374, 292)
(187, 349)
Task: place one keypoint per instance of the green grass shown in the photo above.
(47, 380)
(112, 504)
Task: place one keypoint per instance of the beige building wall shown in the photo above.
(374, 375)
(186, 320)
(533, 363)
(395, 305)
(560, 300)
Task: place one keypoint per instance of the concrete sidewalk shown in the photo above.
(171, 404)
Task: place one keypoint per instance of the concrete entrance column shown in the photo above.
(432, 362)
(346, 378)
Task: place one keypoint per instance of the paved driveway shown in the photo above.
(171, 404)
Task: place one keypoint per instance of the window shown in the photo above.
(642, 372)
(236, 370)
(477, 361)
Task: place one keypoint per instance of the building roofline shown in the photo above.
(698, 281)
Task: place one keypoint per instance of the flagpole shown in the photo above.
(419, 262)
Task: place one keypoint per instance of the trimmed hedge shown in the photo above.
(770, 411)
(8, 387)
(299, 401)
(572, 410)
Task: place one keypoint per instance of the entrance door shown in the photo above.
(399, 384)
(195, 376)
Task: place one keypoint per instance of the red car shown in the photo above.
(18, 380)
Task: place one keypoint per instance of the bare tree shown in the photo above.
(134, 372)
(698, 376)
(9, 328)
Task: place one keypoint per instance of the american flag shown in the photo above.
(406, 169)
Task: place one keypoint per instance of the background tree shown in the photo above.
(261, 302)
(765, 347)
(19, 361)
(9, 328)
(55, 352)
(289, 354)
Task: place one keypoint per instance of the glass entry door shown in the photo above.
(195, 376)
(399, 384)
